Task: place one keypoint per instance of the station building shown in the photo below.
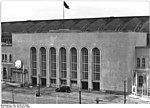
(89, 53)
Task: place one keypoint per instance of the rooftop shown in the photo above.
(115, 24)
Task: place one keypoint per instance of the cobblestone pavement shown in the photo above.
(49, 96)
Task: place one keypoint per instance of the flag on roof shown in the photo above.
(66, 6)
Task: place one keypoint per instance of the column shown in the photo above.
(136, 82)
(28, 75)
(147, 82)
(68, 66)
(38, 64)
(47, 68)
(57, 67)
(78, 68)
(89, 69)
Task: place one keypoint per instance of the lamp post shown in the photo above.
(79, 96)
(124, 91)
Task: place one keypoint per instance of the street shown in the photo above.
(49, 96)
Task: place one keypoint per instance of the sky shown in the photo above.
(21, 10)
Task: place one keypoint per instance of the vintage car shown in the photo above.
(63, 89)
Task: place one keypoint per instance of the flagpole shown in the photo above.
(63, 11)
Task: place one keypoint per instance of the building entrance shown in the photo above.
(141, 83)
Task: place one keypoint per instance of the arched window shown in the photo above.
(96, 64)
(138, 62)
(63, 64)
(73, 63)
(143, 62)
(53, 62)
(43, 61)
(33, 61)
(84, 62)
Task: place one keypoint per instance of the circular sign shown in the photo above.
(18, 64)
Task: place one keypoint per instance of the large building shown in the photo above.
(89, 53)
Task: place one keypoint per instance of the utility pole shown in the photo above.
(124, 91)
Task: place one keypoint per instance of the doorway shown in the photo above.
(84, 85)
(96, 86)
(43, 82)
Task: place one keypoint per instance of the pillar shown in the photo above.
(47, 68)
(68, 66)
(89, 70)
(28, 75)
(57, 67)
(78, 68)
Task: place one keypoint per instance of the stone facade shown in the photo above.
(117, 55)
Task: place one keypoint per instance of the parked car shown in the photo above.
(63, 89)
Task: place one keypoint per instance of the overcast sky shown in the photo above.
(18, 10)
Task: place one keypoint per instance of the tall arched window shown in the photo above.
(63, 64)
(138, 62)
(96, 64)
(143, 62)
(73, 63)
(53, 62)
(33, 61)
(43, 61)
(84, 62)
